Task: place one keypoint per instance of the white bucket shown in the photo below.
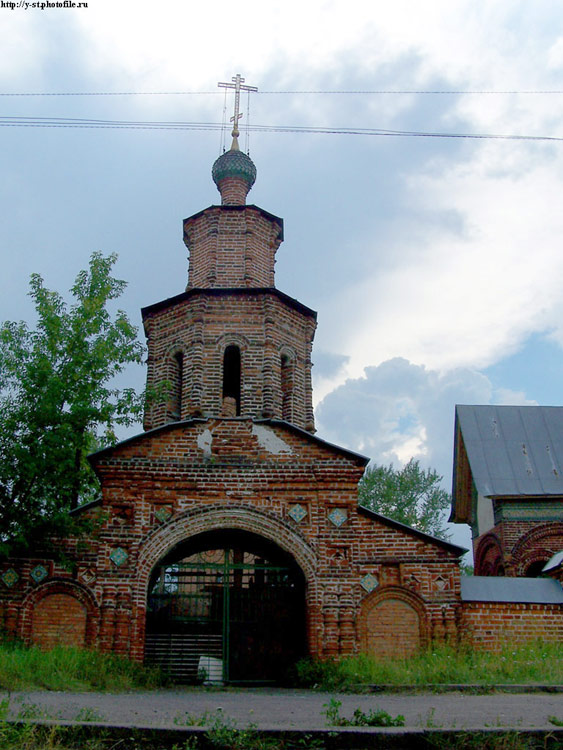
(212, 669)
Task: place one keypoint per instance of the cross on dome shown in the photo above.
(234, 172)
(238, 86)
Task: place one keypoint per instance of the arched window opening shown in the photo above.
(287, 387)
(534, 570)
(176, 386)
(231, 379)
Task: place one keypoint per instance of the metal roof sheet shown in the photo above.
(514, 450)
(500, 589)
(554, 562)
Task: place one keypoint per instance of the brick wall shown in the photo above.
(491, 625)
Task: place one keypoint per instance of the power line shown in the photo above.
(64, 122)
(446, 92)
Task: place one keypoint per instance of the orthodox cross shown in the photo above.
(238, 86)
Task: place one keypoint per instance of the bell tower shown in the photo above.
(231, 345)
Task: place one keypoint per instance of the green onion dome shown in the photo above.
(234, 163)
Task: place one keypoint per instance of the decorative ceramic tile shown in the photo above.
(118, 556)
(369, 583)
(441, 583)
(86, 576)
(39, 573)
(163, 514)
(338, 517)
(297, 512)
(10, 577)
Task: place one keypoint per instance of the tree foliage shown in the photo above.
(410, 495)
(58, 401)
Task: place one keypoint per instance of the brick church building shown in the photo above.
(508, 486)
(231, 532)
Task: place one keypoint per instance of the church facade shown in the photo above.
(230, 535)
(508, 486)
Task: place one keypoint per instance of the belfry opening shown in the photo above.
(231, 379)
(225, 606)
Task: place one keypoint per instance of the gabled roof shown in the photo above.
(500, 589)
(352, 455)
(454, 548)
(513, 451)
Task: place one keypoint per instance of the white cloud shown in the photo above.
(401, 410)
(467, 296)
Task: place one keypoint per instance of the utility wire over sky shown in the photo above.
(69, 122)
(446, 92)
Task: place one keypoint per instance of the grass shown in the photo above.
(486, 741)
(374, 718)
(71, 669)
(33, 737)
(65, 668)
(534, 662)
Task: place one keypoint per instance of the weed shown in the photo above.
(360, 718)
(332, 711)
(189, 720)
(89, 714)
(326, 674)
(430, 722)
(4, 706)
(31, 711)
(555, 721)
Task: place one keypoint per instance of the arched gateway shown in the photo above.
(228, 604)
(230, 533)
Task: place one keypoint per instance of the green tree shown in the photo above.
(58, 402)
(410, 495)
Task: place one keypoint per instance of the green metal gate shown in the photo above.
(229, 612)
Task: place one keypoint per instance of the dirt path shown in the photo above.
(286, 709)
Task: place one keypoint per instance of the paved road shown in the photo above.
(286, 709)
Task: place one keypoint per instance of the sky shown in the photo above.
(434, 263)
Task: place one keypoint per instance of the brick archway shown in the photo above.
(60, 611)
(489, 557)
(214, 518)
(222, 516)
(537, 546)
(178, 642)
(392, 623)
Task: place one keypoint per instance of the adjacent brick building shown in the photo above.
(508, 486)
